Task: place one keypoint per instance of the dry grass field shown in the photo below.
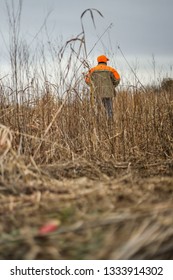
(106, 188)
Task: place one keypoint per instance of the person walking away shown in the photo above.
(102, 80)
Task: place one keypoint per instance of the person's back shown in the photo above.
(102, 80)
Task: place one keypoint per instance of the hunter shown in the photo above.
(102, 80)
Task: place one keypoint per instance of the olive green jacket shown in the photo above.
(102, 80)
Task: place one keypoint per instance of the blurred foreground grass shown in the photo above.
(124, 213)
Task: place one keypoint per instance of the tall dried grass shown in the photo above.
(64, 129)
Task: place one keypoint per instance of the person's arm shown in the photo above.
(115, 77)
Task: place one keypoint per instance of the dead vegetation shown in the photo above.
(105, 210)
(109, 186)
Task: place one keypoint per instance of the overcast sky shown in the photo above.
(141, 28)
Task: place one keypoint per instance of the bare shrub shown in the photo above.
(167, 84)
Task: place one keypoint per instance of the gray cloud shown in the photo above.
(141, 28)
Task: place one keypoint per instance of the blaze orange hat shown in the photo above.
(102, 58)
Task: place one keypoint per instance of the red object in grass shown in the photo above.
(49, 227)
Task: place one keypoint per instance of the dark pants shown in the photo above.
(107, 103)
